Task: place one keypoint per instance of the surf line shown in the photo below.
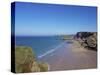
(52, 50)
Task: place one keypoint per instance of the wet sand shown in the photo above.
(70, 57)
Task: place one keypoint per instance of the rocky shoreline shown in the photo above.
(87, 39)
(72, 56)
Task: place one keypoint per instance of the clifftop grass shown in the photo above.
(67, 37)
(25, 61)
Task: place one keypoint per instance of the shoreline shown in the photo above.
(70, 57)
(51, 50)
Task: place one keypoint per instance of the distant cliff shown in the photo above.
(87, 39)
(25, 61)
(67, 37)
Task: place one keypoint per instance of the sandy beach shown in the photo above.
(70, 57)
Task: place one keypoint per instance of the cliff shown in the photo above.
(67, 37)
(25, 61)
(87, 39)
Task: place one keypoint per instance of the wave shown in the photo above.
(52, 50)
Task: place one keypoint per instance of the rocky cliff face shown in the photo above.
(25, 61)
(87, 39)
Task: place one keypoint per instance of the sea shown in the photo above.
(41, 45)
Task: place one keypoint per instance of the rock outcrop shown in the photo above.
(25, 61)
(87, 39)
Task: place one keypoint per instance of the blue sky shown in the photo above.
(50, 19)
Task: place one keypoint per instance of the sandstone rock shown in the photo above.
(87, 39)
(92, 41)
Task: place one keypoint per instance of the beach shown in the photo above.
(70, 56)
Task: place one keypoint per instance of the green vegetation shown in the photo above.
(43, 66)
(67, 37)
(25, 61)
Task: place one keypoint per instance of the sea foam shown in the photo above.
(52, 50)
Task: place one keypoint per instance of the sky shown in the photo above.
(53, 19)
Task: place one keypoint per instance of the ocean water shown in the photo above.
(39, 44)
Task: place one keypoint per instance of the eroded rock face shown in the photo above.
(92, 41)
(87, 39)
(25, 61)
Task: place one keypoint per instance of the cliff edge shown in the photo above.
(87, 39)
(25, 61)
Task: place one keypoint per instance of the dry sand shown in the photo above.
(70, 57)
